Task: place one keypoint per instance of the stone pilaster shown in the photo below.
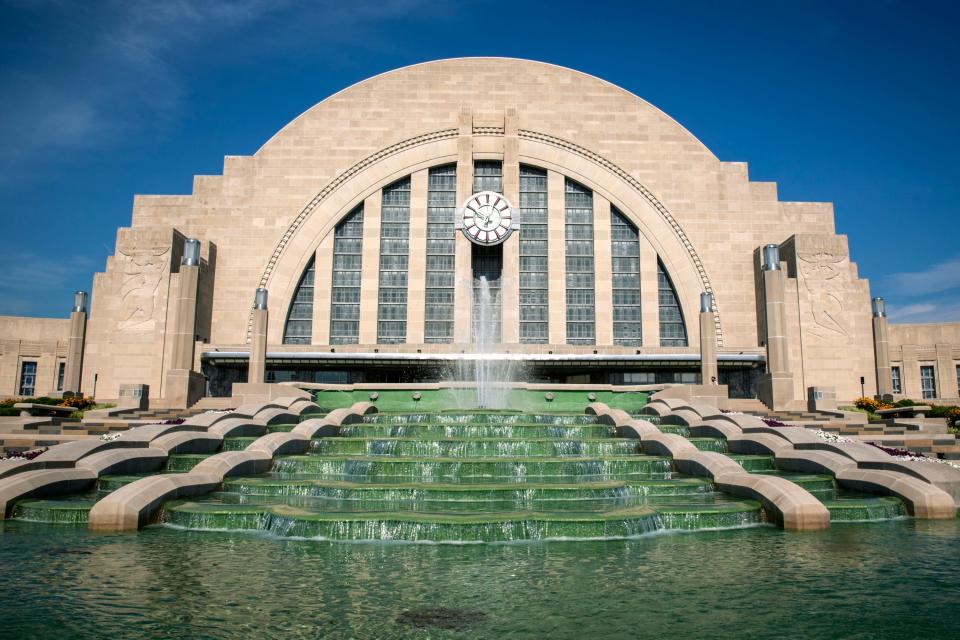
(417, 274)
(603, 271)
(370, 270)
(649, 294)
(323, 290)
(510, 278)
(463, 282)
(556, 263)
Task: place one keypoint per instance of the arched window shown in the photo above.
(673, 332)
(625, 251)
(299, 327)
(345, 289)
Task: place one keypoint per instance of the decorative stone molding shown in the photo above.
(555, 141)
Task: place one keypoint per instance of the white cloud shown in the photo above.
(116, 70)
(942, 276)
(31, 273)
(940, 311)
(99, 71)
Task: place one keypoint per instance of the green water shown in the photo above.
(890, 580)
(443, 399)
(468, 476)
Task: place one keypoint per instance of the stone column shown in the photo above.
(78, 330)
(185, 318)
(775, 387)
(463, 261)
(708, 342)
(258, 339)
(881, 348)
(182, 385)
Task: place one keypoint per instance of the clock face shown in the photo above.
(487, 218)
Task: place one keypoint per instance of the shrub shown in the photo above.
(77, 402)
(868, 404)
(906, 402)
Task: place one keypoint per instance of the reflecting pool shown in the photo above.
(892, 579)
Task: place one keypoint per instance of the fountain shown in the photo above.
(490, 372)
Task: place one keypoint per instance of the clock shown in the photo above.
(487, 218)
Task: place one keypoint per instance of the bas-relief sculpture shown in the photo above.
(142, 271)
(822, 275)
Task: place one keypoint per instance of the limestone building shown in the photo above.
(463, 209)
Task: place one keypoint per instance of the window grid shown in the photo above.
(28, 378)
(673, 332)
(625, 251)
(488, 176)
(299, 327)
(61, 373)
(895, 379)
(581, 318)
(345, 290)
(958, 380)
(928, 382)
(534, 294)
(441, 261)
(394, 258)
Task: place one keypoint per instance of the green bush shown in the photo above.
(906, 402)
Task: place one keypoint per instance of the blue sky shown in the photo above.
(850, 102)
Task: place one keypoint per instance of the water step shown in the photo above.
(183, 462)
(236, 444)
(502, 431)
(480, 418)
(472, 447)
(865, 509)
(66, 511)
(287, 521)
(342, 490)
(754, 463)
(814, 483)
(648, 467)
(718, 445)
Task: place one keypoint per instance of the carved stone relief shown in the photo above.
(822, 274)
(141, 273)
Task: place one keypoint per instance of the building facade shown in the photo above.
(474, 209)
